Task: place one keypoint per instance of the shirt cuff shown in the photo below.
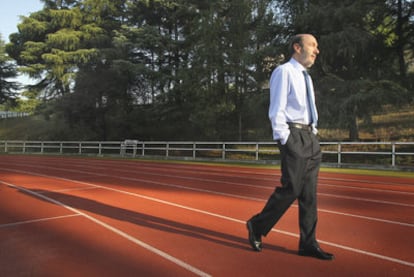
(314, 130)
(284, 140)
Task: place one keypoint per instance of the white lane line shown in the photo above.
(363, 252)
(116, 231)
(367, 218)
(212, 171)
(375, 182)
(229, 172)
(347, 248)
(245, 185)
(210, 191)
(367, 200)
(262, 176)
(34, 220)
(354, 187)
(355, 250)
(216, 193)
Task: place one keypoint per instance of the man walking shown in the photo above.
(293, 118)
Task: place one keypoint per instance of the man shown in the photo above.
(293, 117)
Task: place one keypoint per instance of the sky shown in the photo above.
(10, 12)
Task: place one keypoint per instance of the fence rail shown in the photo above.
(340, 154)
(8, 114)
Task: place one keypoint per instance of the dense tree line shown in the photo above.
(198, 69)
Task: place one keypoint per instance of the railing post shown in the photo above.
(339, 154)
(223, 151)
(167, 149)
(134, 150)
(393, 154)
(194, 150)
(257, 151)
(80, 148)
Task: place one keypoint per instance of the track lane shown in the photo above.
(386, 209)
(237, 209)
(165, 240)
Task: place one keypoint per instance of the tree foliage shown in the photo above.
(8, 71)
(187, 69)
(357, 73)
(53, 43)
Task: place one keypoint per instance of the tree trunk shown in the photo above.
(400, 41)
(240, 129)
(353, 129)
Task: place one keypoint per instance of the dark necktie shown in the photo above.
(311, 101)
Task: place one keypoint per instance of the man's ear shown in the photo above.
(297, 47)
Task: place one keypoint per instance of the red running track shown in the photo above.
(95, 217)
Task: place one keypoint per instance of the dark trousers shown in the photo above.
(300, 161)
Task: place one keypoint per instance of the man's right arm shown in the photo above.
(279, 88)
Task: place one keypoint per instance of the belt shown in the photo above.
(300, 126)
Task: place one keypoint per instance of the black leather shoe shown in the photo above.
(255, 241)
(316, 252)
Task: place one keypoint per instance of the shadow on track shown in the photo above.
(145, 220)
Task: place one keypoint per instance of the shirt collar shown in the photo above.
(297, 65)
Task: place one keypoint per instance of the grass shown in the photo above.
(27, 128)
(376, 172)
(392, 125)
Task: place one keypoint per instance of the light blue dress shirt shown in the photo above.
(288, 100)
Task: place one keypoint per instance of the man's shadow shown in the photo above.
(150, 221)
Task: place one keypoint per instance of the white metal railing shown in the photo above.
(381, 154)
(9, 114)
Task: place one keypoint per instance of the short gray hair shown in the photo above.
(295, 39)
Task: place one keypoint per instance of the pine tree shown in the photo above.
(8, 72)
(53, 43)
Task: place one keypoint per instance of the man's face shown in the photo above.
(307, 52)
